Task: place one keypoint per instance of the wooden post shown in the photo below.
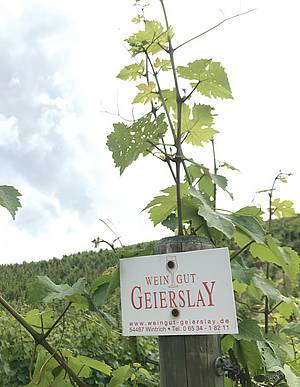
(188, 361)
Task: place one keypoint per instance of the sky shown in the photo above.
(59, 98)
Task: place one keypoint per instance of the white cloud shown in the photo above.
(9, 135)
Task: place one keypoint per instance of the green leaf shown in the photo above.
(213, 218)
(78, 367)
(169, 97)
(249, 225)
(241, 239)
(250, 211)
(271, 252)
(221, 181)
(249, 330)
(133, 71)
(291, 378)
(190, 207)
(147, 93)
(241, 273)
(292, 329)
(120, 375)
(264, 253)
(283, 208)
(152, 39)
(170, 222)
(211, 75)
(43, 289)
(268, 289)
(248, 354)
(291, 264)
(9, 199)
(162, 206)
(162, 64)
(200, 126)
(95, 364)
(288, 310)
(42, 376)
(239, 287)
(127, 143)
(99, 295)
(228, 166)
(40, 320)
(270, 359)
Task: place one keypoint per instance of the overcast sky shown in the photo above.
(58, 65)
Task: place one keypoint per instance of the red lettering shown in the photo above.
(155, 300)
(190, 305)
(209, 291)
(182, 300)
(139, 305)
(148, 304)
(163, 301)
(172, 296)
(200, 299)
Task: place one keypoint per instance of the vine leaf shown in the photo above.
(95, 364)
(43, 289)
(9, 199)
(292, 379)
(221, 181)
(147, 93)
(249, 330)
(213, 218)
(127, 143)
(212, 78)
(241, 273)
(40, 320)
(120, 376)
(132, 72)
(269, 356)
(272, 252)
(249, 355)
(42, 375)
(200, 126)
(162, 64)
(268, 289)
(207, 180)
(292, 329)
(283, 208)
(162, 206)
(169, 97)
(249, 226)
(170, 222)
(152, 39)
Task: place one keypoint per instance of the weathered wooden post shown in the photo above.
(188, 361)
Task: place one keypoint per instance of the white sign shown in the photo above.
(186, 293)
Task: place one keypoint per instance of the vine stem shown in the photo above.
(213, 27)
(267, 311)
(40, 340)
(241, 250)
(215, 172)
(179, 102)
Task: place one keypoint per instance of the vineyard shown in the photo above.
(84, 334)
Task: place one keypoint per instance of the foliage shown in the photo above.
(84, 335)
(265, 272)
(9, 199)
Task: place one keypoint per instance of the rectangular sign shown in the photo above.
(187, 293)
